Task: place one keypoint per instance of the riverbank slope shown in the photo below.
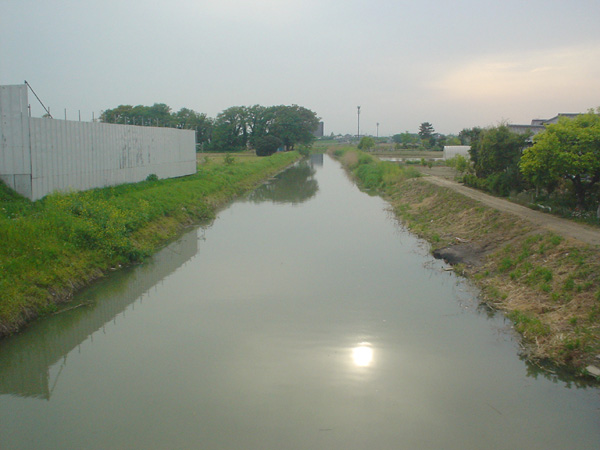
(52, 247)
(547, 283)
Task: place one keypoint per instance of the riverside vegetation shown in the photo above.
(54, 246)
(548, 286)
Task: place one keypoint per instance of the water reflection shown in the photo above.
(26, 358)
(297, 186)
(362, 355)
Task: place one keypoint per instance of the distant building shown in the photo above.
(450, 151)
(539, 125)
(320, 131)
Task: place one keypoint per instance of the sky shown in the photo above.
(456, 64)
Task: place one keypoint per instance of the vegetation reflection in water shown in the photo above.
(27, 359)
(298, 185)
(48, 342)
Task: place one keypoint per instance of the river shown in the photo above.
(304, 317)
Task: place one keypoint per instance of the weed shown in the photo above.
(228, 159)
(506, 264)
(556, 240)
(527, 324)
(569, 284)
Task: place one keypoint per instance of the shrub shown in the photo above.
(267, 145)
(228, 159)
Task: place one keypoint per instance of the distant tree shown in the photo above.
(233, 129)
(230, 132)
(437, 142)
(452, 140)
(569, 149)
(406, 139)
(116, 115)
(469, 135)
(497, 150)
(426, 133)
(160, 112)
(366, 143)
(191, 120)
(259, 119)
(426, 130)
(293, 125)
(496, 156)
(267, 145)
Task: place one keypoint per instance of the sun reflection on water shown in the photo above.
(362, 355)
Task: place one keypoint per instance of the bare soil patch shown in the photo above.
(586, 234)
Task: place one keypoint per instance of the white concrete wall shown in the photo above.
(450, 151)
(39, 156)
(15, 158)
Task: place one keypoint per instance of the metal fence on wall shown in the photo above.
(40, 155)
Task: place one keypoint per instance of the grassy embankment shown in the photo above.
(547, 285)
(52, 247)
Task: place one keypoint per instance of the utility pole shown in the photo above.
(358, 129)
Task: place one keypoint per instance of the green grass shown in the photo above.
(53, 246)
(370, 172)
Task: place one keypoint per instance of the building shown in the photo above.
(320, 131)
(450, 151)
(539, 125)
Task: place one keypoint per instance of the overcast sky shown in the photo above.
(456, 64)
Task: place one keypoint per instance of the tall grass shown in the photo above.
(372, 173)
(50, 247)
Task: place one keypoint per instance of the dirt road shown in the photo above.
(563, 227)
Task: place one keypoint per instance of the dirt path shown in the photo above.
(566, 228)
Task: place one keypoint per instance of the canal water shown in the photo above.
(304, 317)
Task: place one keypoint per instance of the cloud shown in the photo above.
(568, 71)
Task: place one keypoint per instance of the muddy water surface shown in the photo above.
(304, 317)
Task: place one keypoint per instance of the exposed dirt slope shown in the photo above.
(567, 228)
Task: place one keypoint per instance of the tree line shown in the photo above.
(262, 128)
(561, 164)
(426, 138)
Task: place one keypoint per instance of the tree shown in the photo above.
(267, 145)
(495, 156)
(230, 131)
(469, 136)
(293, 125)
(452, 140)
(158, 114)
(366, 143)
(116, 115)
(426, 131)
(497, 150)
(259, 119)
(191, 120)
(569, 149)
